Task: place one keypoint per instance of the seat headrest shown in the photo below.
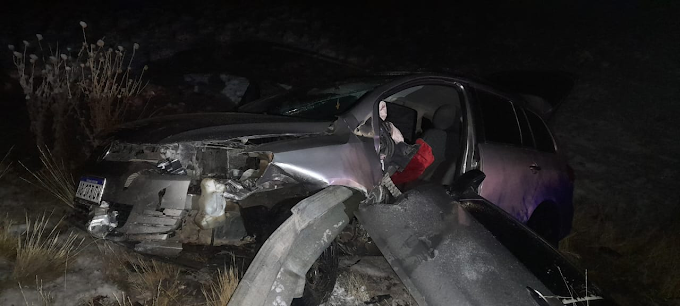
(404, 118)
(444, 117)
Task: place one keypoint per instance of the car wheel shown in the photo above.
(545, 222)
(320, 279)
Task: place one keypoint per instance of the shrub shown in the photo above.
(97, 83)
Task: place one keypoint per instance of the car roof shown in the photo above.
(399, 77)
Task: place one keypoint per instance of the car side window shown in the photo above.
(544, 141)
(499, 119)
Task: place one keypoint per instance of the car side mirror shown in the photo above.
(469, 181)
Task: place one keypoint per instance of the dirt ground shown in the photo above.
(619, 126)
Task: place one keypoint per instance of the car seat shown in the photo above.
(404, 118)
(443, 138)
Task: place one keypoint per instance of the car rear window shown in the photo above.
(544, 141)
(500, 122)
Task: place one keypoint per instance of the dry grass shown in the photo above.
(8, 240)
(41, 251)
(355, 285)
(658, 258)
(109, 86)
(5, 163)
(219, 291)
(115, 258)
(55, 177)
(630, 265)
(157, 279)
(124, 300)
(96, 81)
(45, 297)
(157, 283)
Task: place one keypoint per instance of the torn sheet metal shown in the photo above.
(277, 274)
(341, 159)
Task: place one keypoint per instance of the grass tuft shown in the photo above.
(125, 300)
(8, 239)
(5, 163)
(45, 297)
(355, 285)
(645, 262)
(219, 291)
(115, 259)
(54, 177)
(661, 263)
(158, 279)
(41, 251)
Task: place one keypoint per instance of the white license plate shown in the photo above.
(91, 188)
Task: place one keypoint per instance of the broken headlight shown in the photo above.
(103, 220)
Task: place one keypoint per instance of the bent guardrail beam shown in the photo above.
(277, 274)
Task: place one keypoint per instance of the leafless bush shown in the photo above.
(54, 177)
(96, 82)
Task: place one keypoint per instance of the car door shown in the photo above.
(506, 156)
(553, 182)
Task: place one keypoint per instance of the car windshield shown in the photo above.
(324, 103)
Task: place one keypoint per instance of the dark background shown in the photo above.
(619, 126)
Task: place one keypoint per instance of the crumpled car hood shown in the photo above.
(212, 126)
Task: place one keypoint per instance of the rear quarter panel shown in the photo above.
(509, 182)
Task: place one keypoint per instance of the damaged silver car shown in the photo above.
(279, 181)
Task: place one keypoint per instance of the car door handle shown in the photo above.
(534, 168)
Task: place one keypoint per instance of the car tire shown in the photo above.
(320, 279)
(545, 222)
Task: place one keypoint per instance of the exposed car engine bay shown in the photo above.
(187, 193)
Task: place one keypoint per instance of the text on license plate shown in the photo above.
(91, 188)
